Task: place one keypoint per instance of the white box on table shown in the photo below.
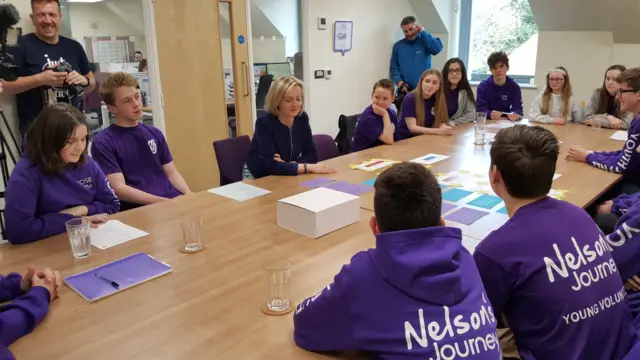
(317, 212)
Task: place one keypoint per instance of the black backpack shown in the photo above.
(347, 125)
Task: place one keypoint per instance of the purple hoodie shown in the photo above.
(23, 314)
(409, 110)
(548, 269)
(625, 161)
(623, 203)
(506, 98)
(34, 200)
(370, 126)
(417, 295)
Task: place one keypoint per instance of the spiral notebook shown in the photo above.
(116, 276)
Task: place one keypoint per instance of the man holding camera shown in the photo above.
(52, 68)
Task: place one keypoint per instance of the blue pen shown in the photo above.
(110, 282)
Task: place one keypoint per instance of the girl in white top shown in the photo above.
(556, 104)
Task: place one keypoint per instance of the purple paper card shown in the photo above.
(349, 188)
(466, 216)
(446, 207)
(126, 272)
(317, 182)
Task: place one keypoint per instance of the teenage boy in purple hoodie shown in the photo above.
(499, 95)
(417, 295)
(548, 269)
(30, 296)
(378, 124)
(135, 157)
(627, 160)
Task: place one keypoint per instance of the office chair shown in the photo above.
(325, 146)
(231, 155)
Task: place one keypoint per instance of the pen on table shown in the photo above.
(110, 282)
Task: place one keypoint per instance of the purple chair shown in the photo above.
(325, 146)
(231, 155)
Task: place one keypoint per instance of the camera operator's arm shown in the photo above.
(83, 76)
(26, 83)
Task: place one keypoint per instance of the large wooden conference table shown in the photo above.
(209, 307)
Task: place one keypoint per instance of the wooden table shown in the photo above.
(209, 307)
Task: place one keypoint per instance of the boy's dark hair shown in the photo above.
(407, 197)
(408, 20)
(33, 2)
(631, 77)
(385, 84)
(496, 58)
(526, 157)
(142, 64)
(49, 134)
(138, 52)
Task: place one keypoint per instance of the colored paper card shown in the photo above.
(503, 210)
(429, 159)
(485, 201)
(466, 216)
(443, 186)
(446, 207)
(619, 135)
(239, 191)
(455, 194)
(369, 182)
(349, 188)
(375, 164)
(317, 182)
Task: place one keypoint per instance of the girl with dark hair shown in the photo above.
(56, 181)
(556, 105)
(461, 103)
(424, 110)
(603, 105)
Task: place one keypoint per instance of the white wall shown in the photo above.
(438, 61)
(349, 90)
(284, 15)
(626, 54)
(88, 20)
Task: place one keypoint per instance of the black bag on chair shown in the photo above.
(347, 125)
(399, 99)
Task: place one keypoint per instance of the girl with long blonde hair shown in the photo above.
(556, 105)
(424, 110)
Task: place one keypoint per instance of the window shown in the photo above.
(499, 25)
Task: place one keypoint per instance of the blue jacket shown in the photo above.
(295, 146)
(411, 58)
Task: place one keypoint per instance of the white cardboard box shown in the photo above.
(317, 212)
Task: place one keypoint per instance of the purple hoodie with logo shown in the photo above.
(22, 314)
(371, 125)
(625, 161)
(417, 295)
(505, 98)
(549, 271)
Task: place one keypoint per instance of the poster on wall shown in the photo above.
(342, 36)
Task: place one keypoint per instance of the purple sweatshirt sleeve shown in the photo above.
(23, 314)
(323, 322)
(21, 198)
(432, 44)
(623, 203)
(516, 106)
(482, 100)
(10, 287)
(496, 282)
(408, 107)
(267, 150)
(618, 161)
(625, 242)
(105, 200)
(367, 132)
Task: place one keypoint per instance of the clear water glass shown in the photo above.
(192, 233)
(79, 232)
(480, 133)
(481, 118)
(278, 284)
(596, 123)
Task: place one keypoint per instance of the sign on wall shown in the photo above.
(342, 36)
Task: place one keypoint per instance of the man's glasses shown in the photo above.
(620, 91)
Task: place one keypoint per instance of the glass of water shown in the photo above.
(79, 231)
(192, 233)
(481, 118)
(596, 123)
(480, 128)
(278, 286)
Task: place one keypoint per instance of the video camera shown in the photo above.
(64, 66)
(9, 17)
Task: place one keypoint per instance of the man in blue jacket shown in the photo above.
(412, 55)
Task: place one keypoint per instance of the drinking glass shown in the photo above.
(79, 232)
(278, 285)
(479, 134)
(481, 118)
(192, 233)
(596, 122)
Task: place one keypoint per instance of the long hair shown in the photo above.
(604, 94)
(567, 92)
(49, 134)
(464, 81)
(440, 107)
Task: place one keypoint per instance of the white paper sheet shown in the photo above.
(239, 191)
(619, 135)
(429, 159)
(113, 233)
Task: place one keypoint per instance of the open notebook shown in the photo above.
(116, 276)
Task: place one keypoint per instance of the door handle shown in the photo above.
(247, 77)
